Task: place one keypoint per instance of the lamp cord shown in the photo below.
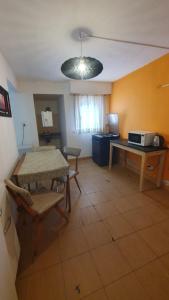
(81, 45)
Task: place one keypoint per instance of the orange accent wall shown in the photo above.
(141, 103)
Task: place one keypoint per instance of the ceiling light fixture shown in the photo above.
(82, 68)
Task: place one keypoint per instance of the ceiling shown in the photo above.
(36, 35)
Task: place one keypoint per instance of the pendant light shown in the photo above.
(81, 68)
(88, 67)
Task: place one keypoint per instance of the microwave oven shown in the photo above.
(141, 138)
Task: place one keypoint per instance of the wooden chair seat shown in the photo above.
(44, 201)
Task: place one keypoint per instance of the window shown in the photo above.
(89, 113)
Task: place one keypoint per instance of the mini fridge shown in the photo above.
(100, 148)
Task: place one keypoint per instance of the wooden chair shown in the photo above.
(37, 206)
(74, 152)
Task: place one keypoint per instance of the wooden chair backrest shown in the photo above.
(74, 152)
(20, 202)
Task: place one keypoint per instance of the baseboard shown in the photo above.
(80, 158)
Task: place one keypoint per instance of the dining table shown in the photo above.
(40, 166)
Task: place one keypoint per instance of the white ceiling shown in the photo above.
(35, 35)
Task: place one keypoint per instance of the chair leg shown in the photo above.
(60, 211)
(77, 183)
(67, 202)
(52, 185)
(37, 236)
(68, 199)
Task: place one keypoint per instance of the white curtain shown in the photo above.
(89, 113)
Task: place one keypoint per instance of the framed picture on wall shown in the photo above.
(5, 108)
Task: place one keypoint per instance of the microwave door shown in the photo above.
(134, 138)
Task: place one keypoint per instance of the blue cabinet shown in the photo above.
(100, 148)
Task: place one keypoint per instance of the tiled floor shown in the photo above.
(115, 247)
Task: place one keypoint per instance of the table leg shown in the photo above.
(143, 162)
(110, 156)
(68, 199)
(160, 170)
(125, 158)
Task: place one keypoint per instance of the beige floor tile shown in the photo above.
(165, 261)
(72, 243)
(89, 215)
(89, 187)
(138, 218)
(127, 188)
(98, 197)
(156, 213)
(46, 258)
(140, 199)
(157, 237)
(118, 226)
(75, 220)
(99, 295)
(159, 195)
(82, 201)
(146, 215)
(154, 279)
(123, 204)
(81, 278)
(96, 234)
(110, 263)
(127, 288)
(135, 250)
(111, 191)
(106, 209)
(48, 284)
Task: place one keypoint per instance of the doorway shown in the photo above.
(50, 119)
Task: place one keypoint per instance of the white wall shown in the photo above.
(90, 87)
(8, 157)
(8, 148)
(62, 120)
(66, 88)
(24, 112)
(43, 87)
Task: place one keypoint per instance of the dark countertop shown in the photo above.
(141, 148)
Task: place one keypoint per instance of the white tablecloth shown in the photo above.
(42, 165)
